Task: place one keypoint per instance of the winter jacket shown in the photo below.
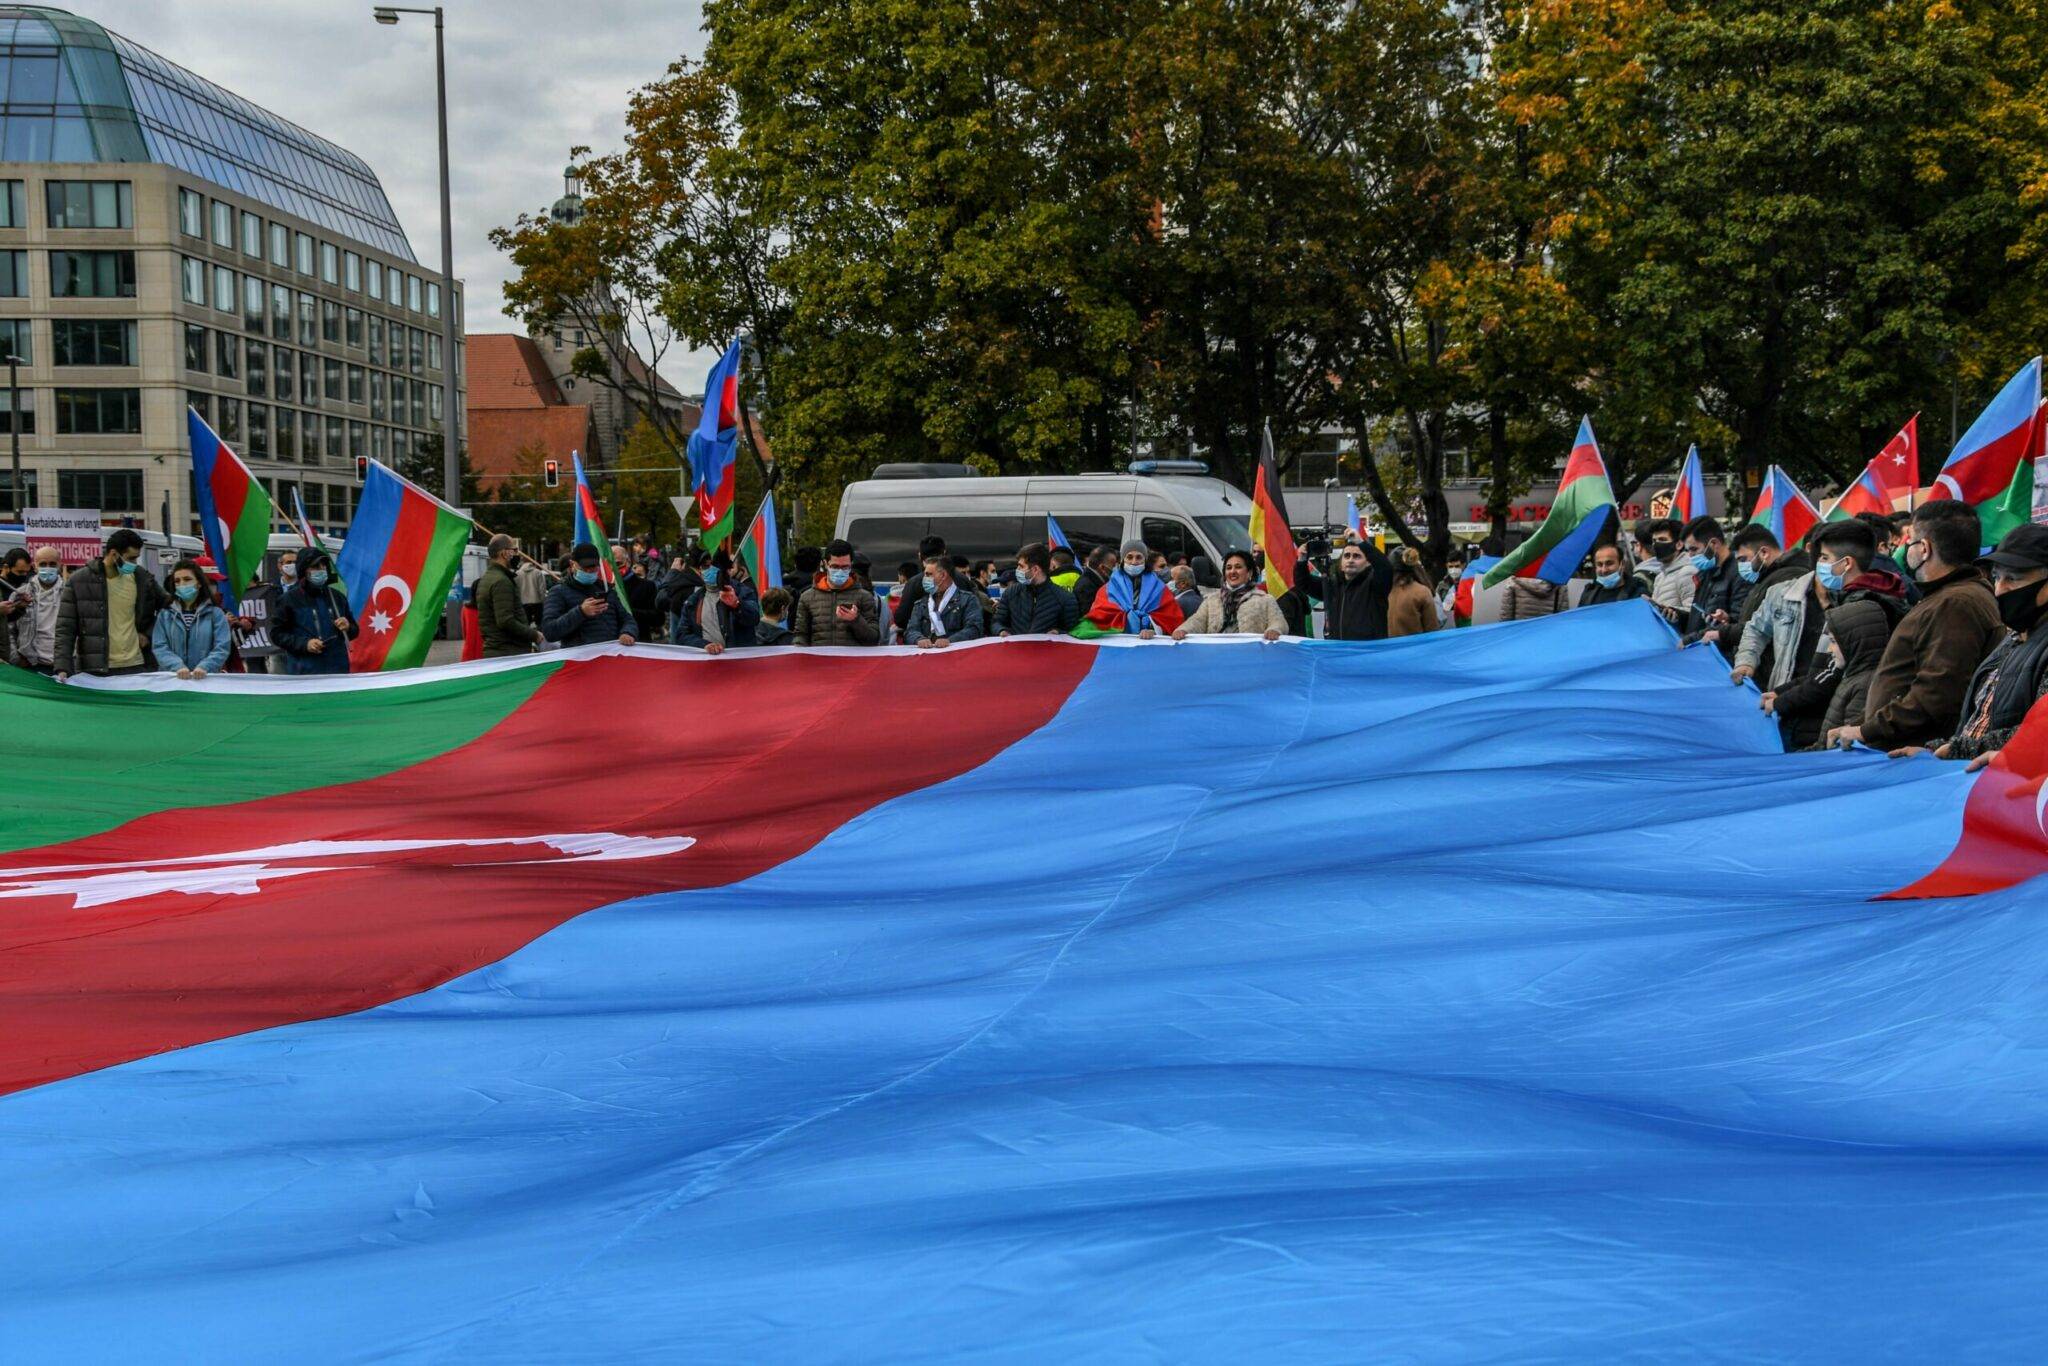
(961, 616)
(1044, 610)
(1087, 584)
(2015, 676)
(1785, 617)
(1411, 609)
(306, 614)
(203, 644)
(817, 615)
(33, 629)
(1526, 599)
(500, 615)
(1190, 600)
(1672, 592)
(768, 632)
(1720, 589)
(1827, 694)
(735, 625)
(1927, 666)
(82, 619)
(1630, 588)
(1257, 614)
(1893, 567)
(1353, 609)
(649, 616)
(562, 619)
(532, 584)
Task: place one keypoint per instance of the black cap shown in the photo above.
(2024, 547)
(585, 553)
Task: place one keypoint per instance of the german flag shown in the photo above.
(1268, 527)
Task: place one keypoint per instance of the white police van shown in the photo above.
(1170, 505)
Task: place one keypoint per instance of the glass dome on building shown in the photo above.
(72, 91)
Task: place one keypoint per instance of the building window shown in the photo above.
(252, 235)
(14, 274)
(259, 371)
(17, 336)
(92, 341)
(376, 281)
(354, 320)
(433, 350)
(309, 322)
(380, 444)
(192, 280)
(18, 406)
(280, 245)
(252, 304)
(224, 290)
(287, 434)
(377, 394)
(197, 352)
(93, 275)
(13, 204)
(334, 439)
(401, 444)
(28, 493)
(330, 321)
(330, 371)
(556, 337)
(330, 263)
(200, 403)
(309, 380)
(419, 404)
(227, 355)
(116, 491)
(259, 428)
(309, 438)
(434, 402)
(191, 214)
(229, 427)
(412, 293)
(358, 441)
(223, 224)
(352, 271)
(395, 280)
(376, 340)
(89, 203)
(98, 412)
(433, 299)
(280, 313)
(355, 384)
(286, 381)
(303, 248)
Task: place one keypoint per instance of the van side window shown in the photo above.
(1170, 535)
(1084, 533)
(887, 541)
(982, 538)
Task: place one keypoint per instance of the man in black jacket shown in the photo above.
(1718, 590)
(2015, 674)
(1034, 605)
(1354, 595)
(1101, 563)
(640, 593)
(581, 609)
(1611, 583)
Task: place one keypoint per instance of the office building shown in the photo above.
(165, 242)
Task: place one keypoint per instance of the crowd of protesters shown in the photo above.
(1893, 632)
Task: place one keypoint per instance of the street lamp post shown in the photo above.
(451, 451)
(14, 427)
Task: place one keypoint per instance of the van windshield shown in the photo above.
(1226, 533)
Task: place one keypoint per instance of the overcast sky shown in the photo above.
(526, 82)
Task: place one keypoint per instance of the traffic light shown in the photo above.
(551, 473)
(362, 468)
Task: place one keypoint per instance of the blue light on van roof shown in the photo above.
(1169, 467)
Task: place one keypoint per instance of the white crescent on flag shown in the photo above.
(393, 581)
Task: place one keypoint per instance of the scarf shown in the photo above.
(933, 609)
(1233, 598)
(1136, 600)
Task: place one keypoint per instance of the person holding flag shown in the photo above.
(314, 627)
(583, 609)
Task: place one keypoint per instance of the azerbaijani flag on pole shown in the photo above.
(1584, 503)
(1868, 494)
(1780, 506)
(1689, 499)
(761, 547)
(714, 449)
(1054, 537)
(404, 549)
(234, 512)
(590, 528)
(1268, 527)
(1988, 468)
(2016, 506)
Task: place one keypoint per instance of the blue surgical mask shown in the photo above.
(47, 575)
(1747, 569)
(186, 592)
(1830, 576)
(710, 574)
(127, 566)
(586, 577)
(929, 586)
(1136, 571)
(1608, 580)
(838, 578)
(318, 578)
(1703, 564)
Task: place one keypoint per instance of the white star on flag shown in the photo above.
(379, 623)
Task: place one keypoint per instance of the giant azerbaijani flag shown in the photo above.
(376, 1017)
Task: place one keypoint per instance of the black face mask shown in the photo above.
(2019, 608)
(1661, 549)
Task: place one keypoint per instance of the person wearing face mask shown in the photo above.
(192, 634)
(313, 627)
(1781, 623)
(1859, 624)
(107, 612)
(1242, 608)
(1133, 602)
(500, 616)
(948, 610)
(837, 609)
(33, 630)
(642, 597)
(1354, 595)
(1034, 605)
(1918, 690)
(583, 609)
(723, 613)
(1718, 589)
(17, 580)
(2015, 674)
(1610, 583)
(1887, 559)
